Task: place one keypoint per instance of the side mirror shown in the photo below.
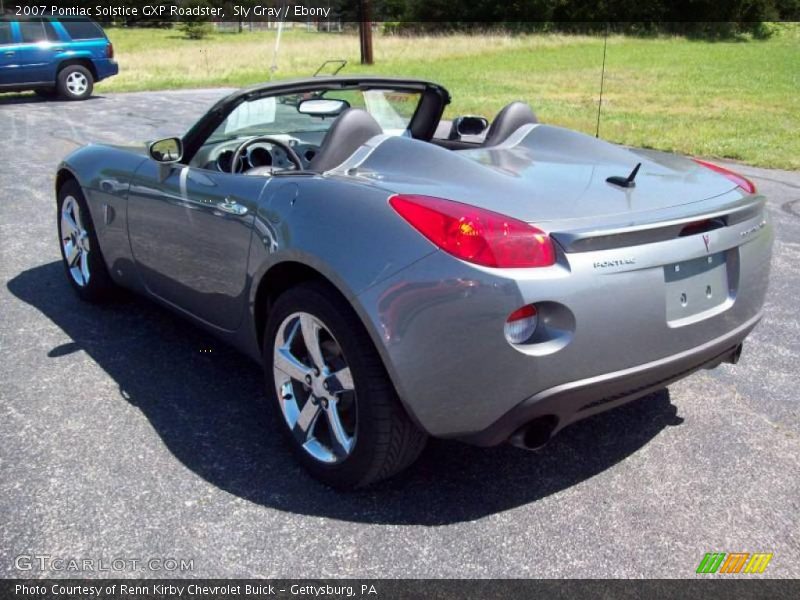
(169, 150)
(320, 107)
(468, 125)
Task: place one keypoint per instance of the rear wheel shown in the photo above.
(336, 405)
(75, 82)
(80, 251)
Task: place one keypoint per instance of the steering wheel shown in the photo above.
(263, 139)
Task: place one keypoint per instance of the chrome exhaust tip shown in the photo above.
(734, 356)
(535, 434)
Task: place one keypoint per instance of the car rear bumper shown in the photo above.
(570, 402)
(105, 67)
(605, 331)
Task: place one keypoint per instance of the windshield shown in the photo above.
(273, 115)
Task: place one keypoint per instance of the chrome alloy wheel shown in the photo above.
(75, 241)
(315, 388)
(77, 83)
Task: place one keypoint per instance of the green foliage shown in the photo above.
(195, 28)
(708, 19)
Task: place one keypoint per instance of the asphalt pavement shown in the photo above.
(127, 434)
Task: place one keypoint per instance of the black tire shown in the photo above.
(386, 440)
(70, 75)
(99, 287)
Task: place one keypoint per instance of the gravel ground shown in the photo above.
(124, 438)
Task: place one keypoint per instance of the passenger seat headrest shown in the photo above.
(351, 129)
(508, 120)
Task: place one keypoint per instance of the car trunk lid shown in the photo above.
(567, 175)
(543, 174)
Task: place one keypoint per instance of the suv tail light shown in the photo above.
(476, 235)
(740, 180)
(110, 50)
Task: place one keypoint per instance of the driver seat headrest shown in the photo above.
(507, 121)
(351, 129)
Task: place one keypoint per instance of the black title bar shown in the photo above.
(707, 588)
(413, 11)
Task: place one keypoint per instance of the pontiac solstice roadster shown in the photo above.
(401, 277)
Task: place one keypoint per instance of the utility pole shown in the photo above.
(365, 32)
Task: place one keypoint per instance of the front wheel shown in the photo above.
(338, 409)
(80, 251)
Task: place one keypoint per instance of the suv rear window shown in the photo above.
(82, 29)
(37, 30)
(5, 32)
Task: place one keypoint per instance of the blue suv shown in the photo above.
(54, 56)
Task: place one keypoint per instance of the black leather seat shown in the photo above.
(349, 131)
(507, 121)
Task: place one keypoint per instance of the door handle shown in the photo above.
(231, 207)
(58, 49)
(9, 53)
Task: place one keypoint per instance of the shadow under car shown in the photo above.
(189, 393)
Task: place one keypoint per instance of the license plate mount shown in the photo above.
(696, 289)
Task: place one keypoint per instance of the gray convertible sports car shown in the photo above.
(399, 277)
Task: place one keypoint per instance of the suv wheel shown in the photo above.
(334, 401)
(75, 82)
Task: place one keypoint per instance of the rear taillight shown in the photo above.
(740, 180)
(476, 235)
(110, 50)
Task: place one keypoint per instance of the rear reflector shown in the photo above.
(110, 50)
(521, 324)
(740, 180)
(476, 235)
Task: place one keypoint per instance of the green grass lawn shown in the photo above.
(735, 99)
